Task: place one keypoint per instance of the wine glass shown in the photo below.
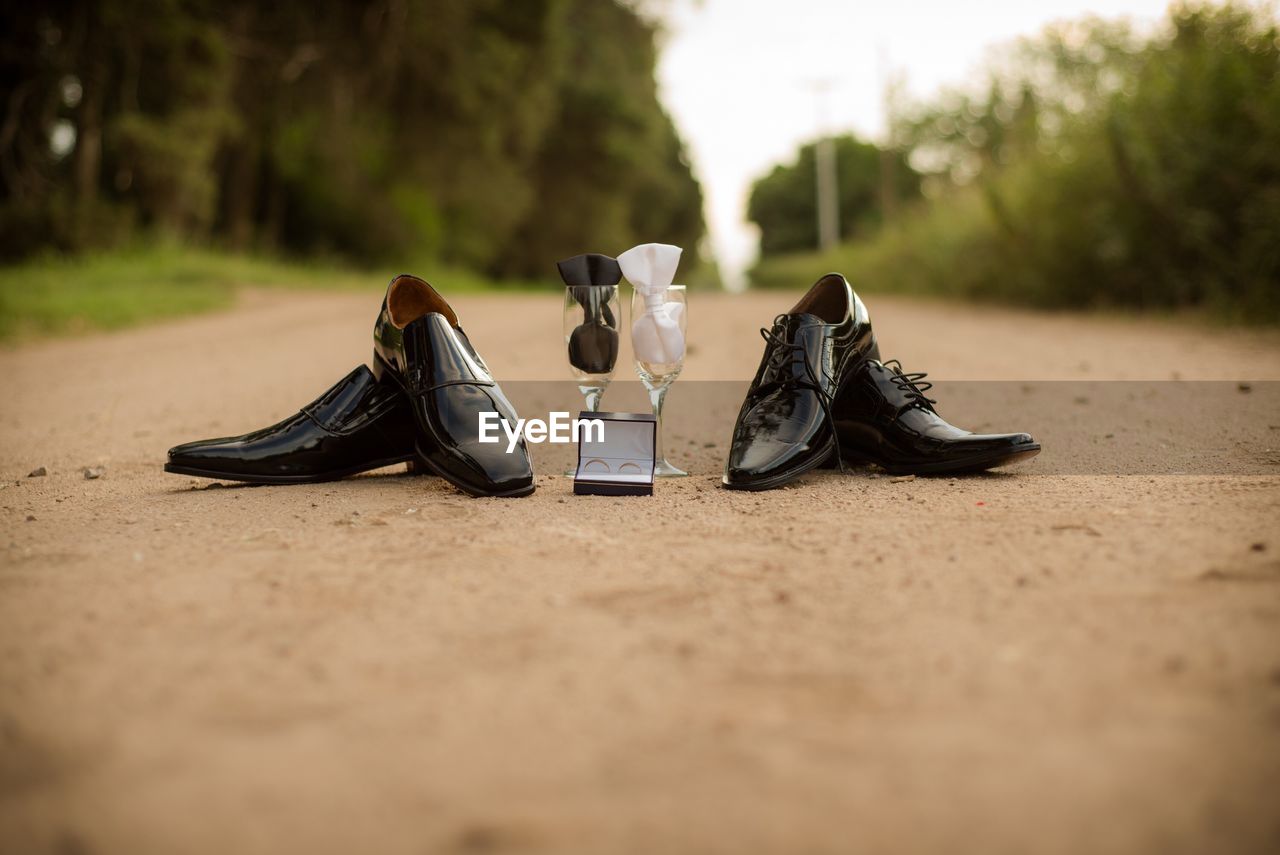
(658, 322)
(591, 319)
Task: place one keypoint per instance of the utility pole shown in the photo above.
(888, 149)
(826, 183)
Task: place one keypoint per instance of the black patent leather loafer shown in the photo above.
(784, 428)
(358, 425)
(419, 345)
(883, 416)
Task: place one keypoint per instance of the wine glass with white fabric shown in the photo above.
(658, 323)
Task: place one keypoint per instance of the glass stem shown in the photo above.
(656, 397)
(593, 394)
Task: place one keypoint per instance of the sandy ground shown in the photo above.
(1016, 663)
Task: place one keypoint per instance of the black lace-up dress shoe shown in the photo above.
(419, 345)
(883, 416)
(784, 428)
(358, 425)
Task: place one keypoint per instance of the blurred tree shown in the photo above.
(1102, 167)
(611, 171)
(784, 202)
(410, 128)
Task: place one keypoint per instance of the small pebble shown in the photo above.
(31, 517)
(1244, 387)
(901, 478)
(38, 472)
(93, 472)
(1258, 547)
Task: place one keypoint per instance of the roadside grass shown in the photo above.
(57, 295)
(951, 251)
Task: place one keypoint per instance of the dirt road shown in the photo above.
(1014, 663)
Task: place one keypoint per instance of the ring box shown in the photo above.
(617, 459)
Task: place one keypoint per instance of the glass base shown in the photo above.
(663, 469)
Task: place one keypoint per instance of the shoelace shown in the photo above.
(913, 384)
(785, 377)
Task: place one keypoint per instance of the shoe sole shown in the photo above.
(177, 469)
(775, 481)
(966, 465)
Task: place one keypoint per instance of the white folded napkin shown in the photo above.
(655, 335)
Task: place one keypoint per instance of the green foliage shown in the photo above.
(784, 202)
(1100, 170)
(119, 288)
(450, 129)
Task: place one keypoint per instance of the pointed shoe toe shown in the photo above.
(225, 456)
(767, 460)
(478, 471)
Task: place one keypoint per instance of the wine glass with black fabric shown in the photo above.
(591, 318)
(591, 334)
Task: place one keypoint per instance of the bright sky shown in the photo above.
(737, 77)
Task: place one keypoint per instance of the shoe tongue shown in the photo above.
(347, 403)
(801, 319)
(898, 393)
(441, 353)
(806, 330)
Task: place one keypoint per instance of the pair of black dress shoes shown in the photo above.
(420, 404)
(822, 397)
